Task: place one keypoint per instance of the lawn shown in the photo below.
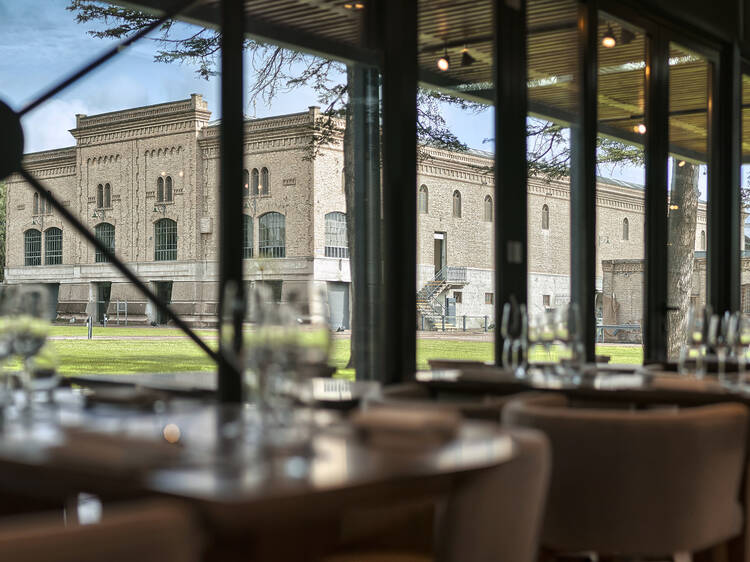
(138, 349)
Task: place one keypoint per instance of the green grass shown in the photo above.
(163, 352)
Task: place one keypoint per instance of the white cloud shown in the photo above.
(47, 127)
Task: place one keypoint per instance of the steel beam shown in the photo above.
(231, 287)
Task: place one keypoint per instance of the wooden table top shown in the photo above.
(218, 457)
(611, 384)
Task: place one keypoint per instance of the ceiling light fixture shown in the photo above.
(466, 58)
(681, 163)
(640, 128)
(444, 62)
(609, 40)
(626, 36)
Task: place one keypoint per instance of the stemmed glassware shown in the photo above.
(30, 327)
(548, 331)
(720, 332)
(567, 334)
(695, 344)
(514, 331)
(741, 343)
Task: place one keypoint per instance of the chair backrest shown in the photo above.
(148, 531)
(648, 482)
(497, 514)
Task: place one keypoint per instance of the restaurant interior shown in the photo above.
(519, 460)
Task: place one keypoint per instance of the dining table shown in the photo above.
(254, 480)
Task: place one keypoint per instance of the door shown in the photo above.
(164, 292)
(103, 292)
(338, 305)
(439, 251)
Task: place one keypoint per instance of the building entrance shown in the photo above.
(164, 293)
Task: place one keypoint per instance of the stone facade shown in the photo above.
(135, 149)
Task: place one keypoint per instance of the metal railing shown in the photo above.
(451, 274)
(456, 323)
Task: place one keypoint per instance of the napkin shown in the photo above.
(406, 427)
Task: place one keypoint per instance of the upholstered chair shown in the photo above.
(493, 514)
(639, 482)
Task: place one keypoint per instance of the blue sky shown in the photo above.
(40, 43)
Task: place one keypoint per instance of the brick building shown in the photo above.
(145, 180)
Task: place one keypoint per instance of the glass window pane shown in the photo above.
(53, 246)
(165, 240)
(272, 234)
(553, 86)
(106, 233)
(620, 210)
(32, 241)
(689, 94)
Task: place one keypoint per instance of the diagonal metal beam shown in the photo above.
(218, 357)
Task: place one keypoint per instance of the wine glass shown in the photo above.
(695, 344)
(718, 332)
(741, 344)
(30, 328)
(548, 331)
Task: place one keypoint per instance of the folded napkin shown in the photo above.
(407, 427)
(114, 452)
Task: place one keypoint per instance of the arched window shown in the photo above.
(35, 210)
(99, 196)
(336, 240)
(254, 181)
(264, 187)
(625, 229)
(165, 240)
(545, 217)
(107, 196)
(168, 189)
(703, 240)
(423, 200)
(488, 209)
(272, 234)
(32, 247)
(247, 236)
(47, 204)
(160, 189)
(105, 232)
(343, 180)
(457, 204)
(245, 183)
(52, 246)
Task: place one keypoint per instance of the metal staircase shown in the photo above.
(429, 306)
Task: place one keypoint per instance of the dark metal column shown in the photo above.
(398, 347)
(365, 263)
(510, 158)
(231, 290)
(583, 181)
(724, 199)
(656, 228)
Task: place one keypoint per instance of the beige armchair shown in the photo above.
(648, 483)
(494, 514)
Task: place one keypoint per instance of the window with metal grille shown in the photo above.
(107, 196)
(254, 181)
(168, 188)
(165, 240)
(247, 236)
(32, 247)
(272, 234)
(264, 187)
(457, 204)
(336, 241)
(106, 233)
(423, 200)
(52, 246)
(160, 189)
(245, 183)
(488, 209)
